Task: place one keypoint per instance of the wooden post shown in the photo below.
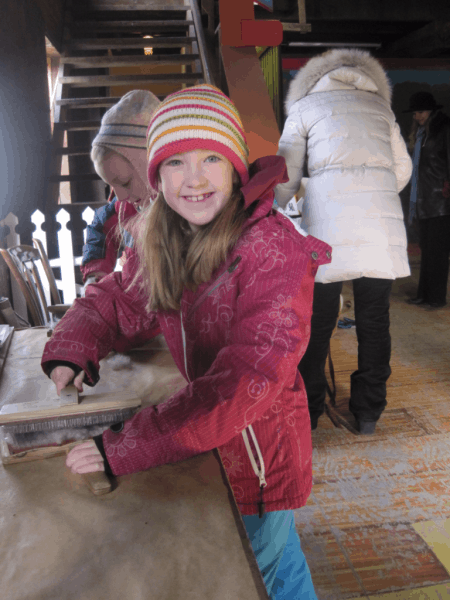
(246, 84)
(13, 239)
(24, 109)
(248, 90)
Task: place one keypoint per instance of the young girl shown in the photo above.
(120, 158)
(230, 282)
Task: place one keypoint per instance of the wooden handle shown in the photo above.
(69, 395)
(98, 482)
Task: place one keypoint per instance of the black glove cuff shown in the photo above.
(98, 439)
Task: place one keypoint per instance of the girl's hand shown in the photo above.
(62, 376)
(85, 458)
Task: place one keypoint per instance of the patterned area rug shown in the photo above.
(375, 496)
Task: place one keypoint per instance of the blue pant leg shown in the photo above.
(269, 537)
(293, 579)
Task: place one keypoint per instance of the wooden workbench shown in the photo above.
(169, 533)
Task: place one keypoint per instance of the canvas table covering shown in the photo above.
(169, 533)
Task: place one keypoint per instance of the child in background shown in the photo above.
(120, 158)
(230, 282)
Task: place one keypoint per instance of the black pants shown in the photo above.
(435, 248)
(368, 383)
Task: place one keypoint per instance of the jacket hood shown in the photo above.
(265, 174)
(353, 69)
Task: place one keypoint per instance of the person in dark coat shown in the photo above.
(430, 196)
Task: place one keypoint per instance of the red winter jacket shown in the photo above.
(237, 340)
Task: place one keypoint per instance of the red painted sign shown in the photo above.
(239, 27)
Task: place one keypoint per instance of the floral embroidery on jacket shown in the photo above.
(127, 441)
(231, 462)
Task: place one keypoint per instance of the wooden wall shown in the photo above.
(24, 108)
(53, 14)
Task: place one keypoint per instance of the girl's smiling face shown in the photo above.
(120, 174)
(196, 185)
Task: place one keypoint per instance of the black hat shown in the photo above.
(422, 101)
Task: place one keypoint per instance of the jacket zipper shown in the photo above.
(217, 283)
(183, 340)
(260, 471)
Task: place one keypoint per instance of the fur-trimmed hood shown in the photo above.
(352, 62)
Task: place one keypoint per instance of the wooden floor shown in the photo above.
(377, 524)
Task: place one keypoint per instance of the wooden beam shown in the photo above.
(135, 5)
(55, 161)
(90, 62)
(77, 125)
(114, 80)
(92, 102)
(301, 12)
(128, 25)
(200, 45)
(248, 90)
(301, 28)
(121, 44)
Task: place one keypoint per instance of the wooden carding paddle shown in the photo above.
(98, 482)
(70, 410)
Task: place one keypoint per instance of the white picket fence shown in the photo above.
(66, 260)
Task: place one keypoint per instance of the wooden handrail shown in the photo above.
(201, 42)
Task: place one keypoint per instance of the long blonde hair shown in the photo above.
(99, 154)
(173, 257)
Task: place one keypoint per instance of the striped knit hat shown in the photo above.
(199, 117)
(125, 124)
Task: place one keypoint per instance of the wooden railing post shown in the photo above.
(13, 239)
(240, 33)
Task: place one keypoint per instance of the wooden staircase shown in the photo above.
(103, 37)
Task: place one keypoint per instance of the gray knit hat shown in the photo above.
(125, 124)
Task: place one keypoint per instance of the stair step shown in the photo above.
(88, 102)
(138, 5)
(90, 62)
(77, 125)
(112, 80)
(73, 150)
(92, 102)
(130, 25)
(121, 44)
(77, 177)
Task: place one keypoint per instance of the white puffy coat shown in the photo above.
(339, 116)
